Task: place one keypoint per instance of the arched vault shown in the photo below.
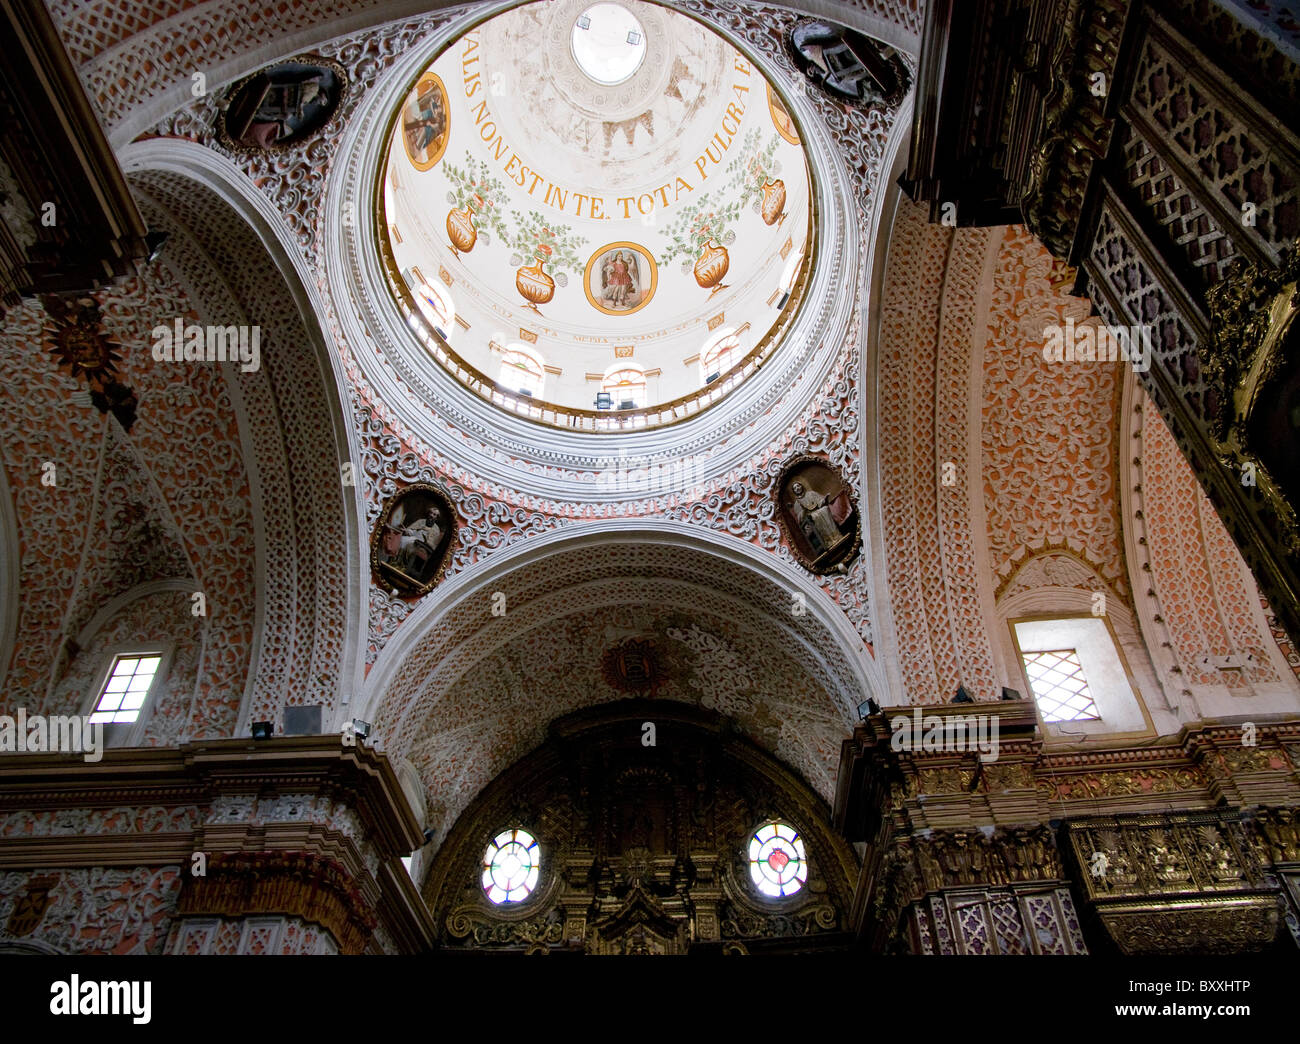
(476, 674)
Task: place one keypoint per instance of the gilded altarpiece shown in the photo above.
(1061, 851)
(1178, 882)
(644, 814)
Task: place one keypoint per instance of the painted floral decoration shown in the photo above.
(538, 238)
(695, 226)
(757, 166)
(474, 188)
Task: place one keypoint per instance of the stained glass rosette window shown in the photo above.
(777, 863)
(510, 866)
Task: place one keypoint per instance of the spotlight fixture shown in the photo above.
(262, 730)
(154, 242)
(1011, 694)
(963, 696)
(865, 710)
(361, 728)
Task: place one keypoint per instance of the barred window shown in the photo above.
(1059, 686)
(127, 688)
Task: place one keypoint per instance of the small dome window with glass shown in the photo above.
(434, 300)
(777, 863)
(608, 43)
(511, 865)
(522, 370)
(720, 354)
(625, 383)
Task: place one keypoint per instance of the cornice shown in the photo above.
(198, 773)
(1204, 766)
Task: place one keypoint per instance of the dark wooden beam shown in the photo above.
(71, 224)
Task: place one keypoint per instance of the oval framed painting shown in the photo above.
(781, 118)
(411, 540)
(282, 105)
(845, 64)
(621, 278)
(818, 514)
(426, 122)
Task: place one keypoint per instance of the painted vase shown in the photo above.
(461, 230)
(532, 281)
(711, 266)
(774, 201)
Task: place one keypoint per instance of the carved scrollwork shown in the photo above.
(1201, 929)
(1075, 131)
(740, 924)
(1281, 830)
(1250, 309)
(1253, 314)
(465, 923)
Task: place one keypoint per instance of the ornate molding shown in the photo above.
(321, 822)
(295, 884)
(1176, 883)
(1202, 767)
(1253, 316)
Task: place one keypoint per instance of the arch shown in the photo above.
(115, 605)
(523, 369)
(791, 272)
(136, 77)
(300, 446)
(924, 441)
(632, 830)
(1201, 611)
(713, 605)
(1041, 600)
(154, 615)
(882, 216)
(435, 300)
(625, 382)
(719, 354)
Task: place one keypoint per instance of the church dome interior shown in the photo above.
(573, 235)
(699, 477)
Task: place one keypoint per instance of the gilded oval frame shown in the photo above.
(395, 579)
(427, 78)
(644, 254)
